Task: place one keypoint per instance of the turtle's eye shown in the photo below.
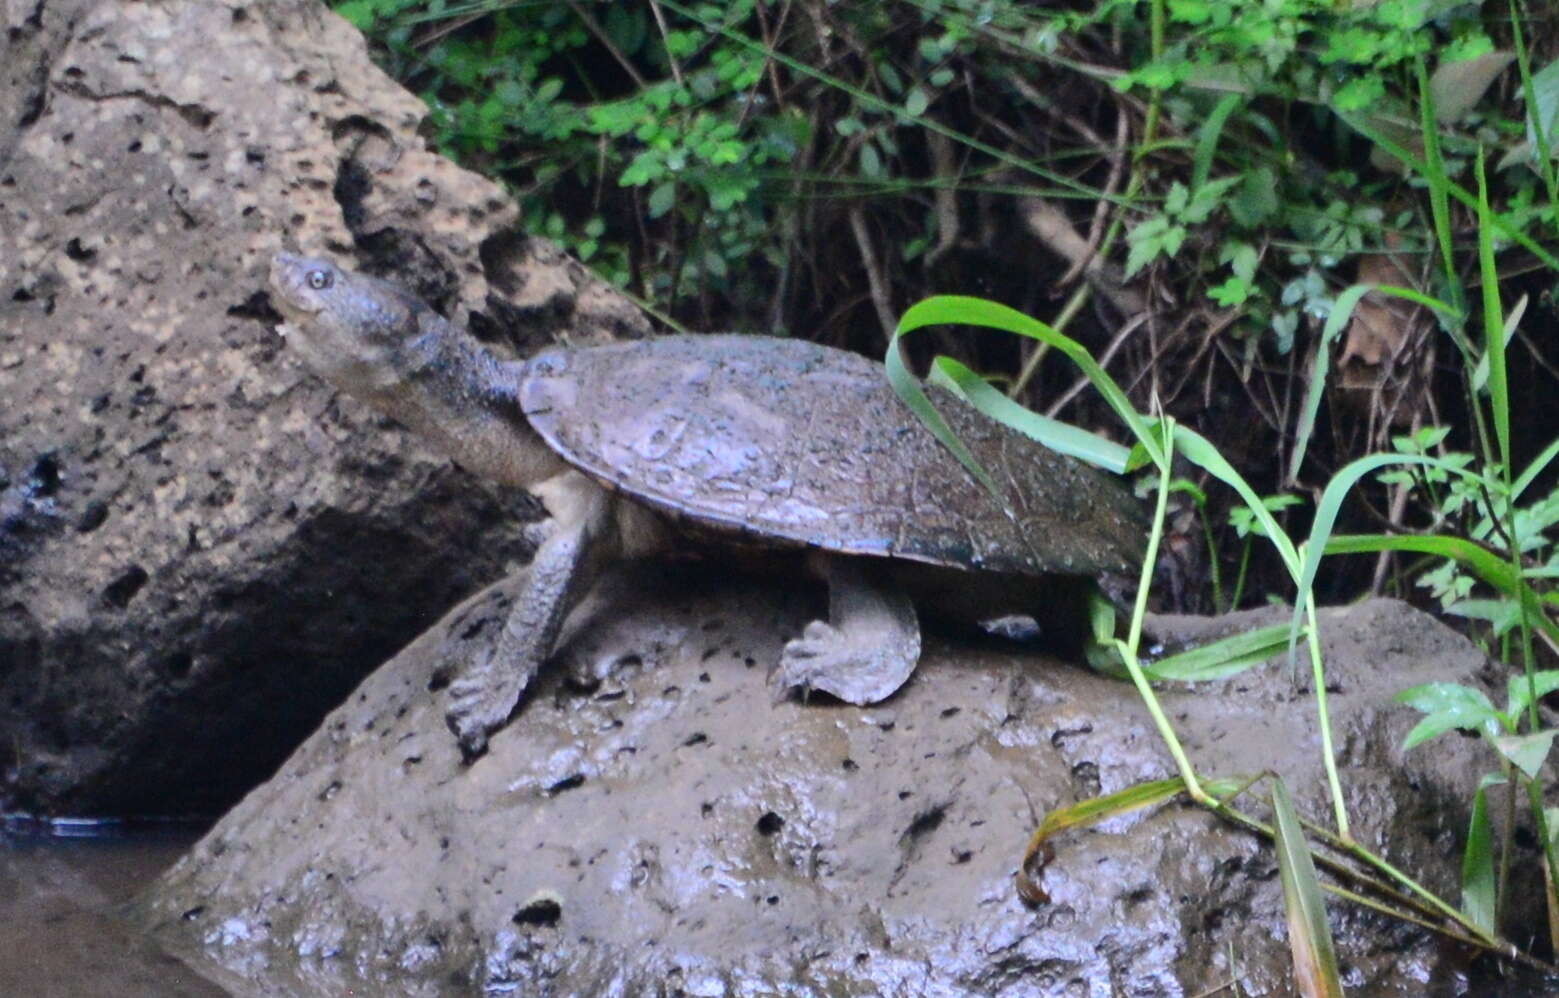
(319, 280)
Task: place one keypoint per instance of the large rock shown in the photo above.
(201, 549)
(669, 832)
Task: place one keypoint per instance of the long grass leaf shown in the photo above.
(1493, 320)
(1064, 438)
(1480, 375)
(1538, 465)
(964, 310)
(1342, 311)
(1483, 563)
(1097, 809)
(1199, 451)
(1222, 658)
(1330, 504)
(1207, 142)
(1478, 880)
(1433, 171)
(1309, 937)
(907, 387)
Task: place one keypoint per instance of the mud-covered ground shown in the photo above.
(668, 830)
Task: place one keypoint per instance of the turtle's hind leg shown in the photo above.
(867, 648)
(561, 573)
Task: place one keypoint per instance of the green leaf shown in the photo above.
(1058, 436)
(1502, 614)
(1207, 198)
(1230, 293)
(1527, 752)
(1222, 658)
(1145, 243)
(549, 89)
(916, 103)
(1241, 258)
(1309, 936)
(1545, 90)
(662, 198)
(871, 162)
(1359, 93)
(1154, 75)
(359, 12)
(958, 309)
(1478, 881)
(1518, 690)
(1449, 706)
(1190, 11)
(646, 166)
(1207, 142)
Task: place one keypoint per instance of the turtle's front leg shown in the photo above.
(867, 648)
(560, 574)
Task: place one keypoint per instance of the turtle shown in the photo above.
(745, 444)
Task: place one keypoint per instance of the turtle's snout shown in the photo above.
(285, 271)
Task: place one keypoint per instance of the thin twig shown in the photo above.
(944, 166)
(660, 22)
(874, 279)
(601, 36)
(1104, 359)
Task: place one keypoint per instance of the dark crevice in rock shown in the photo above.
(126, 584)
(194, 115)
(924, 824)
(256, 306)
(542, 911)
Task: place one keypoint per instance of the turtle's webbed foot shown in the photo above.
(868, 649)
(858, 667)
(482, 700)
(479, 705)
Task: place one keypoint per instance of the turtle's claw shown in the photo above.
(472, 716)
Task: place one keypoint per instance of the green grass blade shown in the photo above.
(1478, 881)
(1096, 809)
(907, 387)
(1064, 438)
(1433, 171)
(1480, 375)
(1309, 937)
(964, 310)
(1536, 126)
(1493, 319)
(1199, 451)
(1483, 563)
(1207, 142)
(1537, 467)
(1330, 504)
(1342, 311)
(1222, 658)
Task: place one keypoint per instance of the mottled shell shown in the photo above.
(787, 441)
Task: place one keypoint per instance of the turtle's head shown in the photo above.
(347, 327)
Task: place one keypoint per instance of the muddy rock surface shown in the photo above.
(651, 825)
(202, 549)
